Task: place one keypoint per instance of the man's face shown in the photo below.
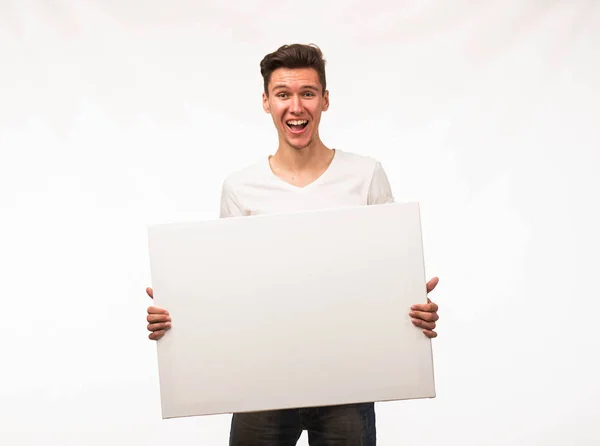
(295, 102)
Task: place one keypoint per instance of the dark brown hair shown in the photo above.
(293, 56)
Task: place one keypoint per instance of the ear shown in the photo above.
(325, 101)
(265, 102)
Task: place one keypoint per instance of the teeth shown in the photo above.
(302, 122)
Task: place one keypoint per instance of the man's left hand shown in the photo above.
(425, 315)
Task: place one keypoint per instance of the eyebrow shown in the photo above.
(310, 87)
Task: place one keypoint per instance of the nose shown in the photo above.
(296, 105)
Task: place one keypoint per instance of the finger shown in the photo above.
(431, 307)
(157, 310)
(150, 292)
(153, 318)
(155, 336)
(161, 326)
(430, 334)
(423, 324)
(424, 315)
(432, 284)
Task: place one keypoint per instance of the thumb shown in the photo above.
(150, 292)
(432, 284)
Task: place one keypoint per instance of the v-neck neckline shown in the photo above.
(310, 185)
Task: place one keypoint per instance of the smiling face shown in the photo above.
(295, 102)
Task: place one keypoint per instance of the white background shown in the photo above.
(116, 114)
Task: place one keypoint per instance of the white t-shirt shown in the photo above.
(350, 180)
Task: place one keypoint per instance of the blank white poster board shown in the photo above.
(291, 310)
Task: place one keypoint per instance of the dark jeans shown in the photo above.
(347, 425)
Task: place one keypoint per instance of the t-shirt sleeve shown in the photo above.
(380, 191)
(230, 206)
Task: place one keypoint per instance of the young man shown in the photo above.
(303, 174)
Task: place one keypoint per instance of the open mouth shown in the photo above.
(298, 125)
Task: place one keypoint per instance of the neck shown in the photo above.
(295, 160)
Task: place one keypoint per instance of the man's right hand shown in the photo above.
(159, 320)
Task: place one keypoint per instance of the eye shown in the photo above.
(309, 93)
(281, 95)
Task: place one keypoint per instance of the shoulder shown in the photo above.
(378, 186)
(236, 186)
(253, 173)
(372, 175)
(356, 160)
(368, 166)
